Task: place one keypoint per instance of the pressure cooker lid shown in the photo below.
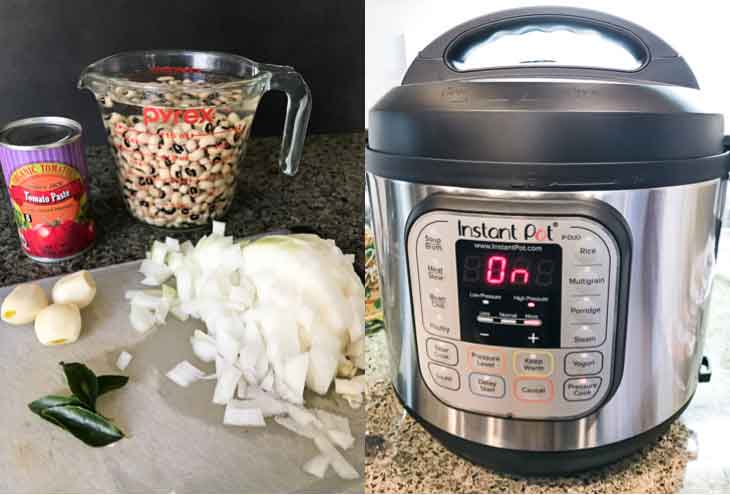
(547, 85)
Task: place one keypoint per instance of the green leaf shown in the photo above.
(86, 425)
(38, 406)
(107, 383)
(82, 382)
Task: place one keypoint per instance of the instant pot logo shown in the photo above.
(511, 233)
(171, 115)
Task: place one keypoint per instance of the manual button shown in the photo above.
(442, 352)
(579, 389)
(533, 363)
(583, 363)
(444, 377)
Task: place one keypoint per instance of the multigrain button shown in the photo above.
(442, 352)
(444, 377)
(487, 385)
(585, 309)
(485, 359)
(583, 363)
(579, 389)
(587, 280)
(533, 390)
(533, 363)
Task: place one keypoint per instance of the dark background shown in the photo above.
(45, 44)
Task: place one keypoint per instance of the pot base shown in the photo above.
(533, 463)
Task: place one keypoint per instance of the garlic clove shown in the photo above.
(21, 306)
(58, 324)
(77, 288)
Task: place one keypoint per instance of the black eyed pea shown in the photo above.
(196, 155)
(175, 198)
(191, 145)
(206, 141)
(213, 151)
(216, 168)
(183, 189)
(164, 174)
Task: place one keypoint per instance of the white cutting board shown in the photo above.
(176, 441)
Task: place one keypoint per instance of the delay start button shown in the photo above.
(579, 389)
(487, 385)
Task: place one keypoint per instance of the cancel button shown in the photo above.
(579, 389)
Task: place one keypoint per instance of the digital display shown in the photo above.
(509, 293)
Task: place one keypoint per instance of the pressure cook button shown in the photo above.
(442, 352)
(583, 363)
(533, 363)
(444, 377)
(485, 359)
(579, 389)
(533, 390)
(586, 335)
(487, 385)
(587, 280)
(585, 309)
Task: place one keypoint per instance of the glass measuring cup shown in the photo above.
(178, 121)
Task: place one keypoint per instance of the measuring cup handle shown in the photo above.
(298, 108)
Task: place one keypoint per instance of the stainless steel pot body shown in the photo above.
(673, 230)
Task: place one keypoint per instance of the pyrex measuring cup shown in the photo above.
(178, 122)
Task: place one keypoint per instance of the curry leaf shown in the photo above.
(89, 427)
(107, 383)
(38, 406)
(82, 382)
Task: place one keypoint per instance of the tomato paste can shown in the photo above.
(47, 181)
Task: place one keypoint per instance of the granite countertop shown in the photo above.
(326, 194)
(690, 458)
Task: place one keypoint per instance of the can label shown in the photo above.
(49, 203)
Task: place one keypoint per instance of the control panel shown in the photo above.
(515, 316)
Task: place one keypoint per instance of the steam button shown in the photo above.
(444, 377)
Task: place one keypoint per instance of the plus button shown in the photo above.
(533, 338)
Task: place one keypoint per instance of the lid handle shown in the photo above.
(298, 108)
(550, 42)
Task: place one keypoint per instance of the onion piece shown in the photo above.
(317, 466)
(235, 416)
(302, 416)
(219, 228)
(172, 244)
(349, 387)
(155, 273)
(343, 440)
(204, 346)
(293, 426)
(158, 253)
(268, 405)
(123, 360)
(184, 374)
(228, 379)
(343, 468)
(141, 319)
(333, 421)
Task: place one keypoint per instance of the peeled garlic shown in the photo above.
(58, 324)
(78, 288)
(23, 304)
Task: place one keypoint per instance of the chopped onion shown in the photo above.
(333, 421)
(123, 360)
(204, 346)
(235, 416)
(343, 468)
(155, 273)
(317, 466)
(172, 244)
(228, 379)
(349, 387)
(293, 426)
(268, 405)
(184, 374)
(219, 228)
(302, 416)
(342, 440)
(142, 319)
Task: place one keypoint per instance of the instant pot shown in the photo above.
(547, 187)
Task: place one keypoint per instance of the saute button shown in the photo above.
(484, 359)
(442, 352)
(579, 389)
(586, 335)
(583, 363)
(487, 385)
(587, 280)
(585, 309)
(533, 363)
(533, 389)
(444, 377)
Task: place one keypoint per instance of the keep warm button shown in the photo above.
(579, 389)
